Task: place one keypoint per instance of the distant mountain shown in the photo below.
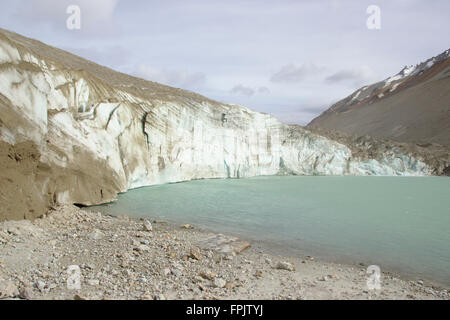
(412, 106)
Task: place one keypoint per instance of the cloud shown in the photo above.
(355, 76)
(248, 91)
(179, 79)
(263, 90)
(292, 73)
(241, 89)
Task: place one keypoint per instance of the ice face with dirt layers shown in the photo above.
(121, 135)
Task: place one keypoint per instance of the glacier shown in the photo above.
(124, 138)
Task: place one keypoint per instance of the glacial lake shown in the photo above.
(401, 224)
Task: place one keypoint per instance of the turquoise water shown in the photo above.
(401, 224)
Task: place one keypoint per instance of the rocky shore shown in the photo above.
(123, 258)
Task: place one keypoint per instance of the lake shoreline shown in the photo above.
(126, 258)
(275, 249)
(338, 219)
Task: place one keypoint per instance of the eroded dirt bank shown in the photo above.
(20, 196)
(122, 258)
(29, 187)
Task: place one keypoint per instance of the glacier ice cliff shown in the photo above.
(95, 132)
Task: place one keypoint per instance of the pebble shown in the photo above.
(177, 273)
(146, 297)
(230, 285)
(142, 248)
(96, 235)
(219, 282)
(283, 265)
(208, 275)
(93, 282)
(8, 289)
(194, 253)
(26, 293)
(148, 226)
(40, 285)
(160, 297)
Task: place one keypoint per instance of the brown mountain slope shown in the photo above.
(67, 61)
(412, 106)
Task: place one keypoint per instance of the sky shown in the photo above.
(289, 58)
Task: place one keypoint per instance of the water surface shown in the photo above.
(401, 224)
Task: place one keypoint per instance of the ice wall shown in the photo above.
(151, 141)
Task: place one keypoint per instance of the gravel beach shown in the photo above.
(76, 254)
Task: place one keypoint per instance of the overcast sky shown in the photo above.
(288, 58)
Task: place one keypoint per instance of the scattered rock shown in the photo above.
(26, 293)
(176, 272)
(142, 248)
(21, 228)
(230, 256)
(146, 297)
(195, 254)
(187, 226)
(230, 285)
(219, 283)
(96, 235)
(8, 289)
(283, 265)
(3, 237)
(40, 285)
(208, 275)
(93, 282)
(148, 226)
(224, 244)
(170, 266)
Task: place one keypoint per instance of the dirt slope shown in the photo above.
(412, 106)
